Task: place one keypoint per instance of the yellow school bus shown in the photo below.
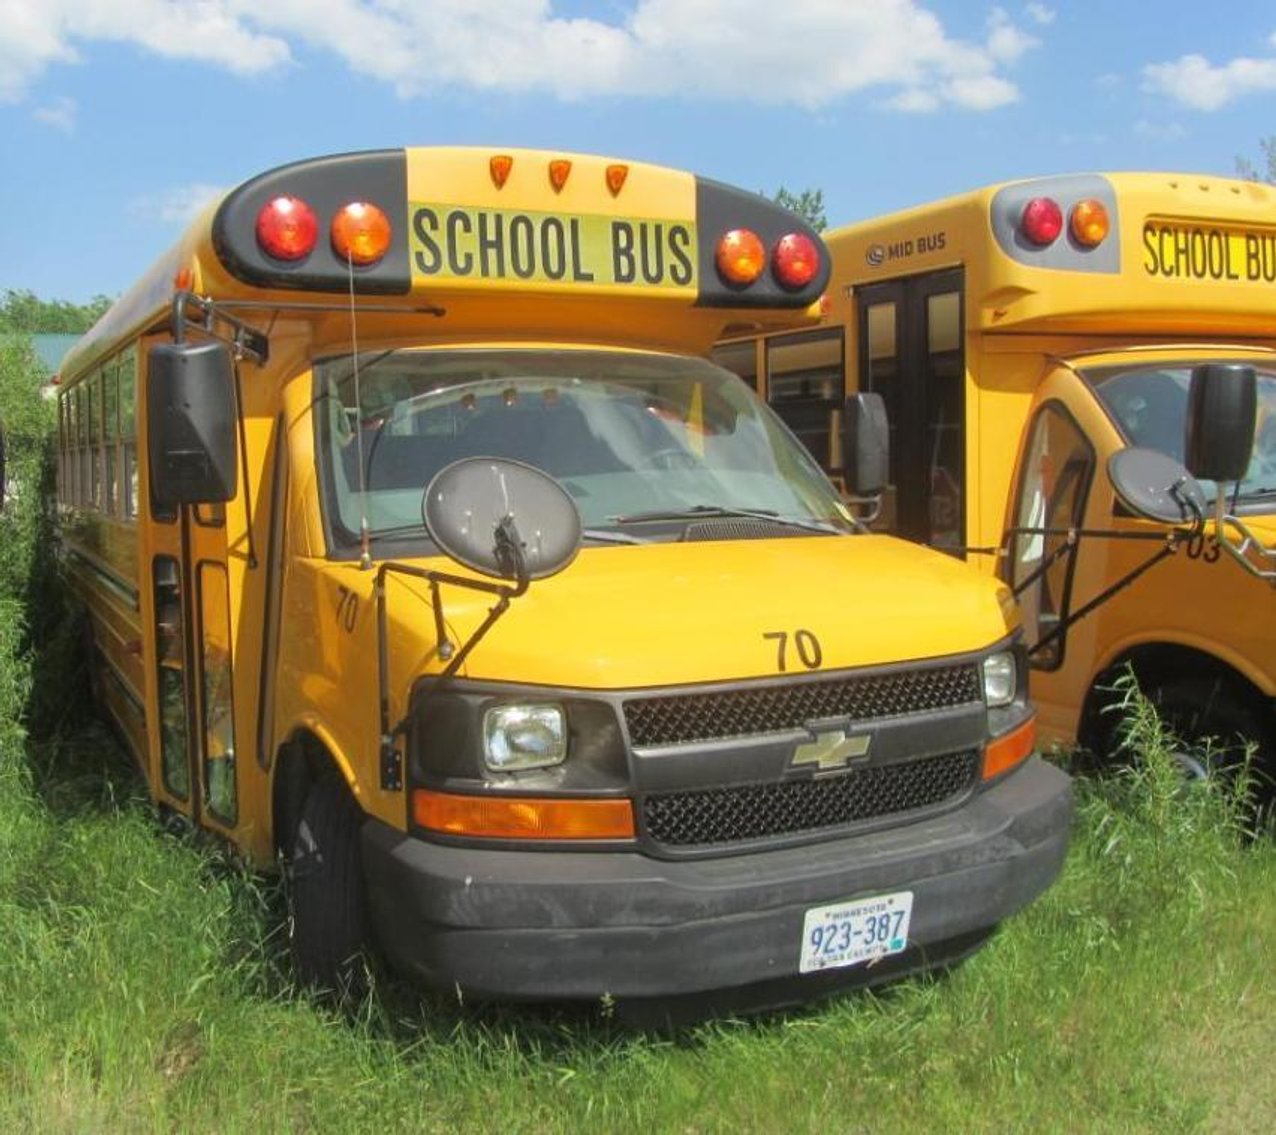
(425, 550)
(1023, 335)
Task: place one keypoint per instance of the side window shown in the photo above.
(94, 443)
(217, 706)
(1054, 481)
(128, 434)
(806, 385)
(110, 437)
(170, 640)
(82, 444)
(740, 359)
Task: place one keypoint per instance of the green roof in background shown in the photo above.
(50, 349)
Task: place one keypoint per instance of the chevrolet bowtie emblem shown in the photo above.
(831, 750)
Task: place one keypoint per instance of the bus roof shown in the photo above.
(482, 241)
(1181, 254)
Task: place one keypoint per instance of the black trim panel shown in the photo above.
(325, 184)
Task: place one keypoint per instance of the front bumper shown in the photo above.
(519, 925)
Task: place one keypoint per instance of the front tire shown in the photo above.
(329, 912)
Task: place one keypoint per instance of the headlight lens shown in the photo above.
(1000, 678)
(524, 737)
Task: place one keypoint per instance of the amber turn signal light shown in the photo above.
(361, 233)
(1001, 754)
(1089, 222)
(523, 817)
(740, 256)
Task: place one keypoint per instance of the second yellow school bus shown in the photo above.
(423, 548)
(1022, 336)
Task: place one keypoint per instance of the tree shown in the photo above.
(24, 313)
(1246, 169)
(809, 205)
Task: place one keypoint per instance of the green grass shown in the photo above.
(143, 985)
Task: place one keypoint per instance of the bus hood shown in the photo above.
(621, 617)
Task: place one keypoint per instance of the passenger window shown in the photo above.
(217, 702)
(740, 359)
(128, 434)
(806, 385)
(110, 436)
(170, 651)
(1054, 482)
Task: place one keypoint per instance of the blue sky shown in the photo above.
(118, 117)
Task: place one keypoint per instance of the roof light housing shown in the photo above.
(287, 228)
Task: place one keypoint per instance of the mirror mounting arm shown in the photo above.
(391, 760)
(245, 340)
(1248, 547)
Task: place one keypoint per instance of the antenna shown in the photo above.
(365, 534)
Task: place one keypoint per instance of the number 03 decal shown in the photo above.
(805, 645)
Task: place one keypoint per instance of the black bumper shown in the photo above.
(579, 924)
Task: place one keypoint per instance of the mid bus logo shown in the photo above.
(876, 255)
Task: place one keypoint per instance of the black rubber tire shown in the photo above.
(329, 913)
(1196, 708)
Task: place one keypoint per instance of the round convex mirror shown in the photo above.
(467, 502)
(1156, 487)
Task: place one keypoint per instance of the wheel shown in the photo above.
(1210, 712)
(1207, 714)
(329, 915)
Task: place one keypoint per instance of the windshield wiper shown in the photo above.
(600, 534)
(702, 511)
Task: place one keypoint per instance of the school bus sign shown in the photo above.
(1178, 251)
(453, 243)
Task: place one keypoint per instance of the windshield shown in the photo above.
(1149, 405)
(645, 444)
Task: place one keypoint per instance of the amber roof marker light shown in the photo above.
(559, 171)
(616, 175)
(499, 167)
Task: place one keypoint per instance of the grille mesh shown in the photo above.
(758, 811)
(745, 711)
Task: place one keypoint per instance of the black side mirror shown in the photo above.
(866, 444)
(190, 421)
(1222, 411)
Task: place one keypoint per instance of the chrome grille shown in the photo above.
(748, 710)
(760, 811)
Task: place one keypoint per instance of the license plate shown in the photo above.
(848, 933)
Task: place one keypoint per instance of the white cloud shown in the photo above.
(1195, 82)
(1040, 14)
(60, 114)
(178, 205)
(747, 49)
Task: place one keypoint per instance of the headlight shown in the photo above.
(1000, 678)
(524, 736)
